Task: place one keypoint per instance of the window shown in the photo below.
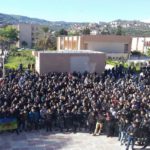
(125, 48)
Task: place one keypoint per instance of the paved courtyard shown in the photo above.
(57, 141)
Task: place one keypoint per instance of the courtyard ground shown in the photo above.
(40, 140)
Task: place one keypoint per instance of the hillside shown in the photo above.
(6, 19)
(129, 27)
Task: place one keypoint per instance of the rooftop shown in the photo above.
(72, 51)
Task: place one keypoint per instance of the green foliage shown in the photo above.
(15, 58)
(8, 36)
(45, 29)
(48, 41)
(62, 32)
(112, 62)
(137, 53)
(148, 52)
(86, 31)
(119, 31)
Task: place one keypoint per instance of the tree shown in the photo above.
(119, 31)
(45, 29)
(106, 30)
(86, 31)
(47, 41)
(62, 32)
(148, 52)
(8, 36)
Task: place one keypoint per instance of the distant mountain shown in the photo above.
(130, 27)
(6, 19)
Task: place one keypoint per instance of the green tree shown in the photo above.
(45, 29)
(62, 32)
(119, 31)
(8, 36)
(148, 52)
(106, 30)
(47, 41)
(86, 31)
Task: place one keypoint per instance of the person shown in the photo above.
(78, 96)
(121, 124)
(60, 120)
(109, 124)
(68, 120)
(132, 130)
(48, 120)
(91, 122)
(99, 123)
(124, 136)
(147, 134)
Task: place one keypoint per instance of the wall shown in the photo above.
(25, 34)
(68, 42)
(140, 44)
(106, 47)
(106, 41)
(69, 62)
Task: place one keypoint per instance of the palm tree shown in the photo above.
(47, 41)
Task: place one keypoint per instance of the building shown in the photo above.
(140, 44)
(112, 45)
(29, 34)
(69, 61)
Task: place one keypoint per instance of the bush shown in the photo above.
(136, 53)
(148, 52)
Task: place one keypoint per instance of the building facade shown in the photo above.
(112, 45)
(69, 61)
(140, 44)
(29, 34)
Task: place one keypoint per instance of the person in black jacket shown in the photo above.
(75, 120)
(147, 134)
(91, 122)
(68, 120)
(60, 120)
(48, 120)
(132, 130)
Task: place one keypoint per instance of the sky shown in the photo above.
(79, 10)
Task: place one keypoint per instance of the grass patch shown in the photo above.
(15, 58)
(125, 64)
(112, 62)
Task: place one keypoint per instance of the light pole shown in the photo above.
(3, 57)
(2, 65)
(3, 62)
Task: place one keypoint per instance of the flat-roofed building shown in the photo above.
(29, 34)
(141, 44)
(69, 61)
(112, 45)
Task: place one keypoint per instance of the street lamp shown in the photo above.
(2, 64)
(3, 57)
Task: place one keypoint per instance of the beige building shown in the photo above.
(112, 45)
(28, 33)
(140, 44)
(69, 61)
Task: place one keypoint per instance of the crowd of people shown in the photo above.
(116, 102)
